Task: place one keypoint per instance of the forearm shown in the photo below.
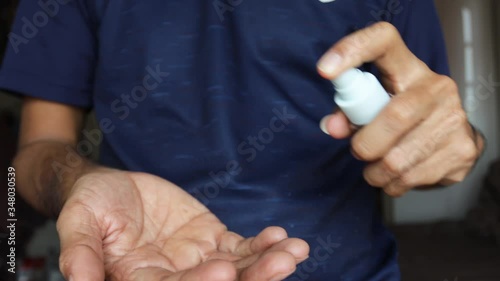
(46, 172)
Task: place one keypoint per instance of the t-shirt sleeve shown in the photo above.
(419, 25)
(51, 52)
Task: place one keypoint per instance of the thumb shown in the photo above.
(81, 245)
(337, 125)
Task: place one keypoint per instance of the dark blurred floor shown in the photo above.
(444, 252)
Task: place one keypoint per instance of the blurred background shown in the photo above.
(448, 234)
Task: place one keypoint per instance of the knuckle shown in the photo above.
(468, 151)
(392, 165)
(350, 47)
(418, 154)
(362, 149)
(374, 178)
(372, 181)
(446, 86)
(449, 85)
(408, 180)
(432, 177)
(454, 122)
(399, 112)
(458, 116)
(457, 178)
(399, 158)
(394, 191)
(386, 28)
(346, 44)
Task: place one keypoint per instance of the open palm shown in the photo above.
(135, 226)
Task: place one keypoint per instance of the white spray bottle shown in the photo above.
(360, 96)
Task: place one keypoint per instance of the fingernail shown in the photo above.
(329, 62)
(70, 278)
(322, 124)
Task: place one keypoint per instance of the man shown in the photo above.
(223, 99)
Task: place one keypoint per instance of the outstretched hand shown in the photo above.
(134, 226)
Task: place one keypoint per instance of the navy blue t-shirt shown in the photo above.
(223, 98)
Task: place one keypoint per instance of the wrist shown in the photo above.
(90, 169)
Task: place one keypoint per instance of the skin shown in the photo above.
(129, 226)
(153, 230)
(422, 137)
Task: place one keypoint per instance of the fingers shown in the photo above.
(405, 112)
(403, 149)
(235, 244)
(337, 125)
(274, 238)
(271, 266)
(271, 255)
(420, 144)
(81, 256)
(276, 263)
(428, 122)
(427, 173)
(214, 270)
(380, 43)
(451, 163)
(298, 248)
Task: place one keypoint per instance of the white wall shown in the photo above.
(472, 62)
